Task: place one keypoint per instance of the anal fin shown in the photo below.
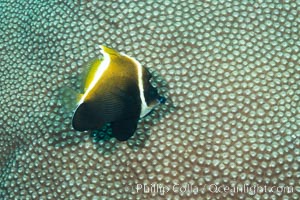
(124, 129)
(85, 119)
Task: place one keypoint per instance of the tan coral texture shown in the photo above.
(229, 129)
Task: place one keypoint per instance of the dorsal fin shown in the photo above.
(69, 98)
(110, 51)
(90, 71)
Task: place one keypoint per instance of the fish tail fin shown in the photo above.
(69, 98)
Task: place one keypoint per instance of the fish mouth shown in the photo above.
(162, 100)
(156, 102)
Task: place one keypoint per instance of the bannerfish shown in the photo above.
(117, 90)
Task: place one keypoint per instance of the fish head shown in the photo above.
(151, 95)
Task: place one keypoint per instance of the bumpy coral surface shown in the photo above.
(230, 71)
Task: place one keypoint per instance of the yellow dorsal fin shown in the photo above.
(92, 67)
(110, 51)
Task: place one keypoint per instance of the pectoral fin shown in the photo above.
(89, 72)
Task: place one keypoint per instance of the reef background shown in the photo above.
(231, 69)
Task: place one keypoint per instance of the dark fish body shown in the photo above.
(116, 90)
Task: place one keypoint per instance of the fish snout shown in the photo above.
(162, 100)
